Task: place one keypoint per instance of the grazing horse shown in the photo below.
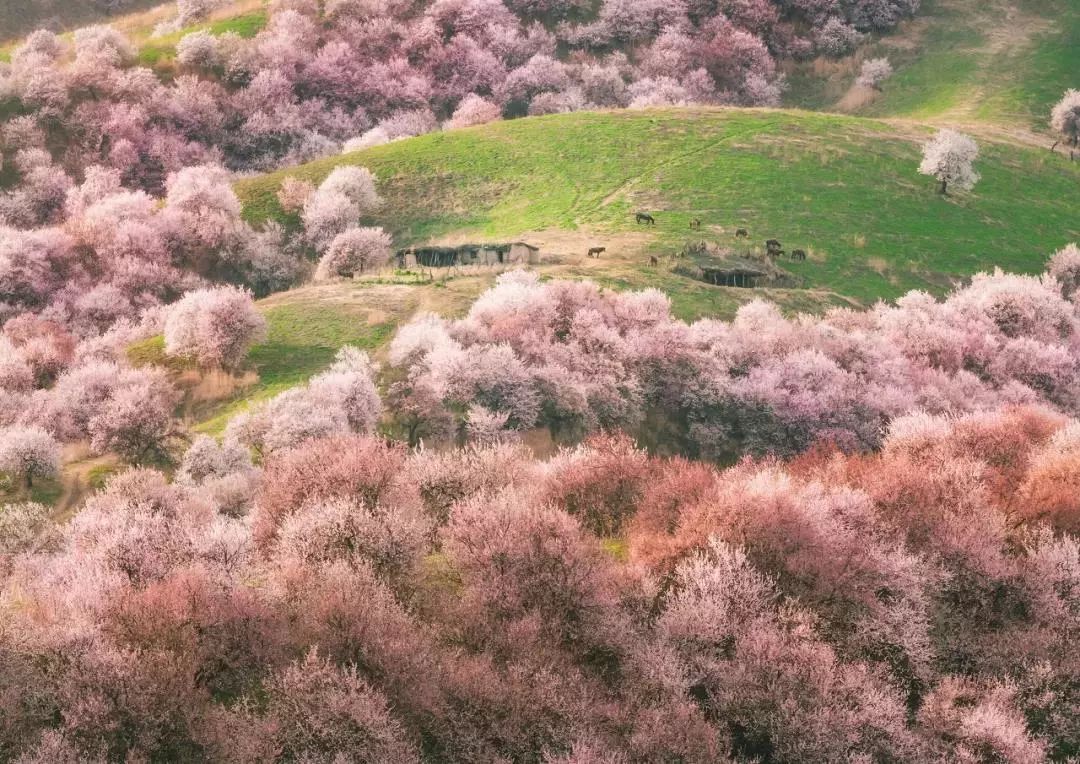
(798, 254)
(695, 223)
(644, 217)
(742, 233)
(595, 251)
(653, 260)
(771, 245)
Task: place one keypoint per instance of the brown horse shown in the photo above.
(695, 224)
(798, 254)
(653, 260)
(595, 251)
(742, 233)
(644, 217)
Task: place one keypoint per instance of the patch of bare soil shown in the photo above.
(856, 98)
(215, 385)
(1015, 31)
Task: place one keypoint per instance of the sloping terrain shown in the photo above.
(19, 17)
(845, 190)
(965, 62)
(137, 20)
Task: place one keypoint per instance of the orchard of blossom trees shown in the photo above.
(888, 572)
(352, 600)
(841, 538)
(115, 197)
(321, 76)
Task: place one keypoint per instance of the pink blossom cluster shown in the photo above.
(575, 358)
(96, 274)
(107, 254)
(352, 600)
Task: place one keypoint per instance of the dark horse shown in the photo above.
(695, 223)
(644, 217)
(595, 251)
(772, 245)
(798, 254)
(653, 260)
(742, 233)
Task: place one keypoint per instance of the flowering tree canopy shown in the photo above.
(949, 157)
(215, 327)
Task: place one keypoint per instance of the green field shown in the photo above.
(844, 189)
(1002, 62)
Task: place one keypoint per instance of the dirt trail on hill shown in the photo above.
(75, 480)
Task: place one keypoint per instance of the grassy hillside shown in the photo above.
(966, 61)
(844, 189)
(19, 17)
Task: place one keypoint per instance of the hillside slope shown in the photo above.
(844, 189)
(966, 62)
(18, 17)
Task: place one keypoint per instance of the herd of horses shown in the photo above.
(773, 248)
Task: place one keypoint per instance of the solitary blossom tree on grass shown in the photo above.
(949, 157)
(1065, 117)
(874, 72)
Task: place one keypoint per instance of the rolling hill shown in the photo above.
(845, 189)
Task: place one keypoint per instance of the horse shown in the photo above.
(644, 217)
(653, 260)
(695, 224)
(595, 251)
(798, 254)
(742, 233)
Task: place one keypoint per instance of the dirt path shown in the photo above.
(76, 482)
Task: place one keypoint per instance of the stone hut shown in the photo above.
(520, 252)
(515, 253)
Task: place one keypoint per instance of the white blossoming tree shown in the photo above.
(949, 157)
